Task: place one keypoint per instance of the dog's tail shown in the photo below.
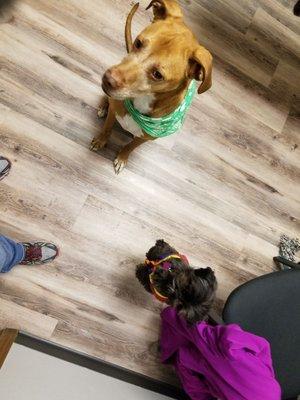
(128, 37)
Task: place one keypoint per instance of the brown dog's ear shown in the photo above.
(200, 68)
(163, 9)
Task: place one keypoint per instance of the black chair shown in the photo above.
(269, 306)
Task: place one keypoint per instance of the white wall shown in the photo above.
(30, 375)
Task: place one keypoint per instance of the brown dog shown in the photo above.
(156, 74)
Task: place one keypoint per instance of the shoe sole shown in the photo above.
(7, 169)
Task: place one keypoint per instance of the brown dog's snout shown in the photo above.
(112, 80)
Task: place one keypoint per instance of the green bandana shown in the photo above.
(168, 124)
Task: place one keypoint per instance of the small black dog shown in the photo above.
(168, 276)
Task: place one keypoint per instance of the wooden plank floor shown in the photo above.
(222, 191)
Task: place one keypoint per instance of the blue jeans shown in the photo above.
(11, 254)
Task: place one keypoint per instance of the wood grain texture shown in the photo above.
(222, 191)
(21, 317)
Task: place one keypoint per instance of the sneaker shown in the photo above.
(39, 253)
(5, 166)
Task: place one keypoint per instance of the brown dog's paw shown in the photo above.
(119, 164)
(103, 108)
(102, 112)
(98, 143)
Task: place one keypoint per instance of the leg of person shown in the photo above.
(28, 253)
(5, 166)
(11, 254)
(39, 253)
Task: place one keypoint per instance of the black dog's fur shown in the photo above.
(191, 291)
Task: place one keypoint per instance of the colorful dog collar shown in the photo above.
(165, 265)
(168, 124)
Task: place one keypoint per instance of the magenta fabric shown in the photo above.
(218, 362)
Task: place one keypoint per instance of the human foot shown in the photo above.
(39, 253)
(5, 166)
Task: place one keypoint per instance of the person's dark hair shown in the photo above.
(190, 290)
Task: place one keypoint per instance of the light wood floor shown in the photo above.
(221, 192)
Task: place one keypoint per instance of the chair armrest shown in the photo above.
(287, 264)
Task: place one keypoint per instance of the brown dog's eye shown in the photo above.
(157, 75)
(138, 44)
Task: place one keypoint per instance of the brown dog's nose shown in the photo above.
(111, 80)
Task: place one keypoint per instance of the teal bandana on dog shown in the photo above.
(168, 124)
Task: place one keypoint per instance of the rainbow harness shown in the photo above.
(165, 264)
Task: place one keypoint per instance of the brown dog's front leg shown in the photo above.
(122, 158)
(103, 107)
(100, 141)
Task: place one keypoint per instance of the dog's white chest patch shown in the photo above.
(143, 105)
(129, 125)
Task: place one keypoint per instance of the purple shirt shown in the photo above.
(218, 362)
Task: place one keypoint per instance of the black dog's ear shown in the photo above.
(142, 273)
(208, 275)
(161, 248)
(194, 293)
(203, 272)
(160, 243)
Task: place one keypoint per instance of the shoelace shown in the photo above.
(32, 253)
